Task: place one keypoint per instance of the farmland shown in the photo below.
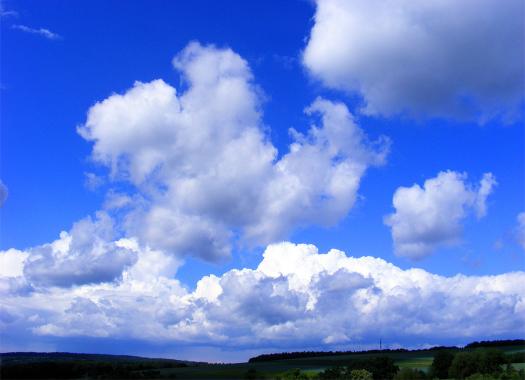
(286, 365)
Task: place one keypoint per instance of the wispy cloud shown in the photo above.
(3, 193)
(7, 12)
(4, 13)
(42, 31)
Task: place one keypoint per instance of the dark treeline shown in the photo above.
(311, 354)
(496, 343)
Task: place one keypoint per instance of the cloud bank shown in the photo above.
(296, 297)
(432, 216)
(426, 58)
(204, 169)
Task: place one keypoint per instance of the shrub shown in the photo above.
(410, 374)
(360, 374)
(333, 373)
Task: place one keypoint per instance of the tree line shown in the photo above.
(311, 354)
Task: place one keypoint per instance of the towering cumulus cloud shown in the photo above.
(191, 171)
(205, 170)
(431, 216)
(296, 297)
(428, 58)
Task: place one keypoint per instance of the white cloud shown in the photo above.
(4, 192)
(296, 297)
(428, 58)
(12, 263)
(487, 184)
(116, 200)
(46, 33)
(12, 279)
(92, 181)
(520, 230)
(428, 217)
(206, 172)
(87, 254)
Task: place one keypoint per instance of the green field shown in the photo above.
(418, 360)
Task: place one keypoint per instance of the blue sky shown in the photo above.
(446, 95)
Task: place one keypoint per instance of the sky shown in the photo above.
(211, 180)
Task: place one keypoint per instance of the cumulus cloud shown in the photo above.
(43, 32)
(204, 169)
(12, 280)
(296, 297)
(432, 216)
(448, 58)
(12, 263)
(86, 254)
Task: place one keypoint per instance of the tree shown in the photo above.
(382, 367)
(463, 365)
(441, 364)
(482, 361)
(490, 360)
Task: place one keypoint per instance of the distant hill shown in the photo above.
(66, 365)
(26, 357)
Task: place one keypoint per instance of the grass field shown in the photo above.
(519, 366)
(421, 360)
(422, 363)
